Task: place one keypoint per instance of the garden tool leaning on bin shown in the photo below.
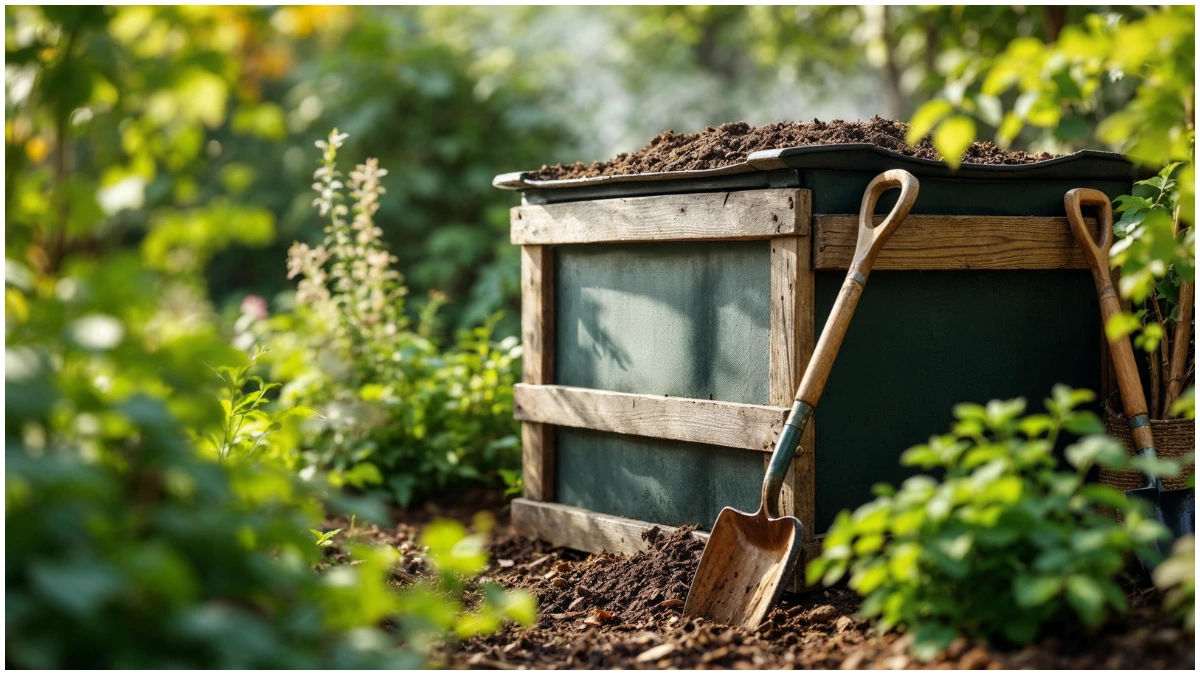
(1174, 508)
(749, 557)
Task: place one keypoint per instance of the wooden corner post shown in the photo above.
(537, 365)
(792, 341)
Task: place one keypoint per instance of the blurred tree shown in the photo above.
(182, 130)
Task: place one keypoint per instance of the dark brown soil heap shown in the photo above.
(732, 143)
(623, 589)
(606, 611)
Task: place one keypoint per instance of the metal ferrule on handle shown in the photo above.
(781, 459)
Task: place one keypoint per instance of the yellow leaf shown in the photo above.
(36, 149)
(925, 119)
(953, 137)
(1009, 128)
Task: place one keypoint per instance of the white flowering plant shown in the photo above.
(398, 411)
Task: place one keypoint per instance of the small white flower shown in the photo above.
(97, 331)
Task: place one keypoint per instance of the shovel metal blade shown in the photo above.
(1174, 508)
(744, 568)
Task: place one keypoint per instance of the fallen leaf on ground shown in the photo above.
(655, 653)
(822, 613)
(672, 603)
(598, 617)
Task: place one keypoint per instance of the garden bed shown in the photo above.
(607, 611)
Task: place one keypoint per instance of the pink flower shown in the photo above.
(256, 306)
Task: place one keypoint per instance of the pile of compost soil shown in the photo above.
(732, 143)
(608, 611)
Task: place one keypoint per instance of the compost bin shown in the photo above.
(668, 317)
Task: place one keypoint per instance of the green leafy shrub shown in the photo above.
(130, 547)
(1176, 577)
(396, 410)
(1127, 82)
(1004, 543)
(251, 429)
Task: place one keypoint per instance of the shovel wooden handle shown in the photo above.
(871, 239)
(1132, 398)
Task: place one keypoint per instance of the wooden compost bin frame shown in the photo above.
(801, 245)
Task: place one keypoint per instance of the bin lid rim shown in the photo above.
(1096, 164)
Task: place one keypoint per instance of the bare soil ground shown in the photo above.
(604, 611)
(732, 143)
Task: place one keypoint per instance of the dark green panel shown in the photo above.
(665, 482)
(921, 342)
(841, 192)
(675, 319)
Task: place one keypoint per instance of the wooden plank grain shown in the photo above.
(792, 341)
(592, 532)
(537, 365)
(732, 425)
(747, 214)
(927, 242)
(581, 529)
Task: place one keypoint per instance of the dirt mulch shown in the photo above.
(605, 611)
(732, 143)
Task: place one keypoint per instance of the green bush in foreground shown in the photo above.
(127, 546)
(1005, 543)
(1176, 577)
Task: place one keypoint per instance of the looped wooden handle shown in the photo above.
(872, 237)
(1096, 252)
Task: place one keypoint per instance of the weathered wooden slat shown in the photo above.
(591, 532)
(581, 529)
(927, 242)
(537, 365)
(748, 214)
(733, 425)
(792, 341)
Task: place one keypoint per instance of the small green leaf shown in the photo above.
(1034, 591)
(1155, 466)
(1097, 449)
(931, 639)
(1084, 423)
(1087, 597)
(1120, 325)
(952, 138)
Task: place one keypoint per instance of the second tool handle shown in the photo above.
(1096, 252)
(871, 238)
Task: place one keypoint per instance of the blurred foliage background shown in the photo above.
(181, 139)
(186, 131)
(163, 471)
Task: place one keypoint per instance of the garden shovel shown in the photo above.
(749, 557)
(1174, 508)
